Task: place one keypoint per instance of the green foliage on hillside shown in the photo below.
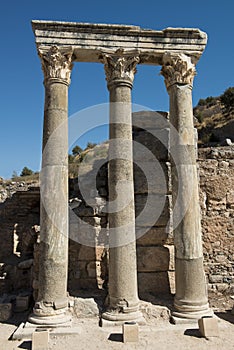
(227, 98)
(215, 118)
(26, 171)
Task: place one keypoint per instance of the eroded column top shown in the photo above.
(90, 40)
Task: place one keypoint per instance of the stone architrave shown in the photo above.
(191, 301)
(52, 303)
(122, 290)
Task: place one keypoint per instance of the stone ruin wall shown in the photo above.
(88, 266)
(216, 168)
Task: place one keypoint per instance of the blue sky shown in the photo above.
(22, 91)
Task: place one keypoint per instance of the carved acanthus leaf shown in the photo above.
(177, 69)
(120, 66)
(56, 63)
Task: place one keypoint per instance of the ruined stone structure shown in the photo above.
(120, 48)
(88, 266)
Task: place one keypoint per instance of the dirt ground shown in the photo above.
(159, 334)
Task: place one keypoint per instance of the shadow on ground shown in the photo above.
(226, 316)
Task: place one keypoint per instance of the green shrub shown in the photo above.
(26, 171)
(227, 98)
(76, 150)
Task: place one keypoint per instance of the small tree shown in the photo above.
(26, 171)
(227, 98)
(14, 175)
(201, 102)
(76, 150)
(90, 145)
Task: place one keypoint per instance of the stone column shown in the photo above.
(52, 303)
(191, 301)
(123, 302)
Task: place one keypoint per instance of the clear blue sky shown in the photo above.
(22, 91)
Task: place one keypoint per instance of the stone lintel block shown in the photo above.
(130, 332)
(152, 259)
(40, 340)
(208, 326)
(151, 236)
(89, 40)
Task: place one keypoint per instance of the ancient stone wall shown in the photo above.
(216, 168)
(19, 217)
(88, 265)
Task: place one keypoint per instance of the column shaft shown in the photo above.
(51, 304)
(122, 292)
(122, 264)
(191, 299)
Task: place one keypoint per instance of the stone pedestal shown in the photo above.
(123, 303)
(191, 300)
(52, 304)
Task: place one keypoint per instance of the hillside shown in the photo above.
(214, 121)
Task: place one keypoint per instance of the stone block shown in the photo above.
(152, 259)
(85, 307)
(153, 282)
(208, 327)
(151, 236)
(130, 332)
(151, 146)
(86, 253)
(152, 210)
(22, 303)
(151, 177)
(40, 340)
(5, 311)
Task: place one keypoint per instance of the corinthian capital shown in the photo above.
(56, 63)
(177, 69)
(120, 66)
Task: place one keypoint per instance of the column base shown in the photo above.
(63, 320)
(114, 318)
(189, 316)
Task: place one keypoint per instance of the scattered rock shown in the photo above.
(86, 307)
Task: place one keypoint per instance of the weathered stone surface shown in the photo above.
(130, 332)
(149, 120)
(96, 39)
(154, 282)
(217, 214)
(157, 143)
(152, 259)
(151, 178)
(153, 236)
(85, 307)
(40, 340)
(26, 264)
(5, 311)
(154, 314)
(208, 327)
(191, 297)
(152, 210)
